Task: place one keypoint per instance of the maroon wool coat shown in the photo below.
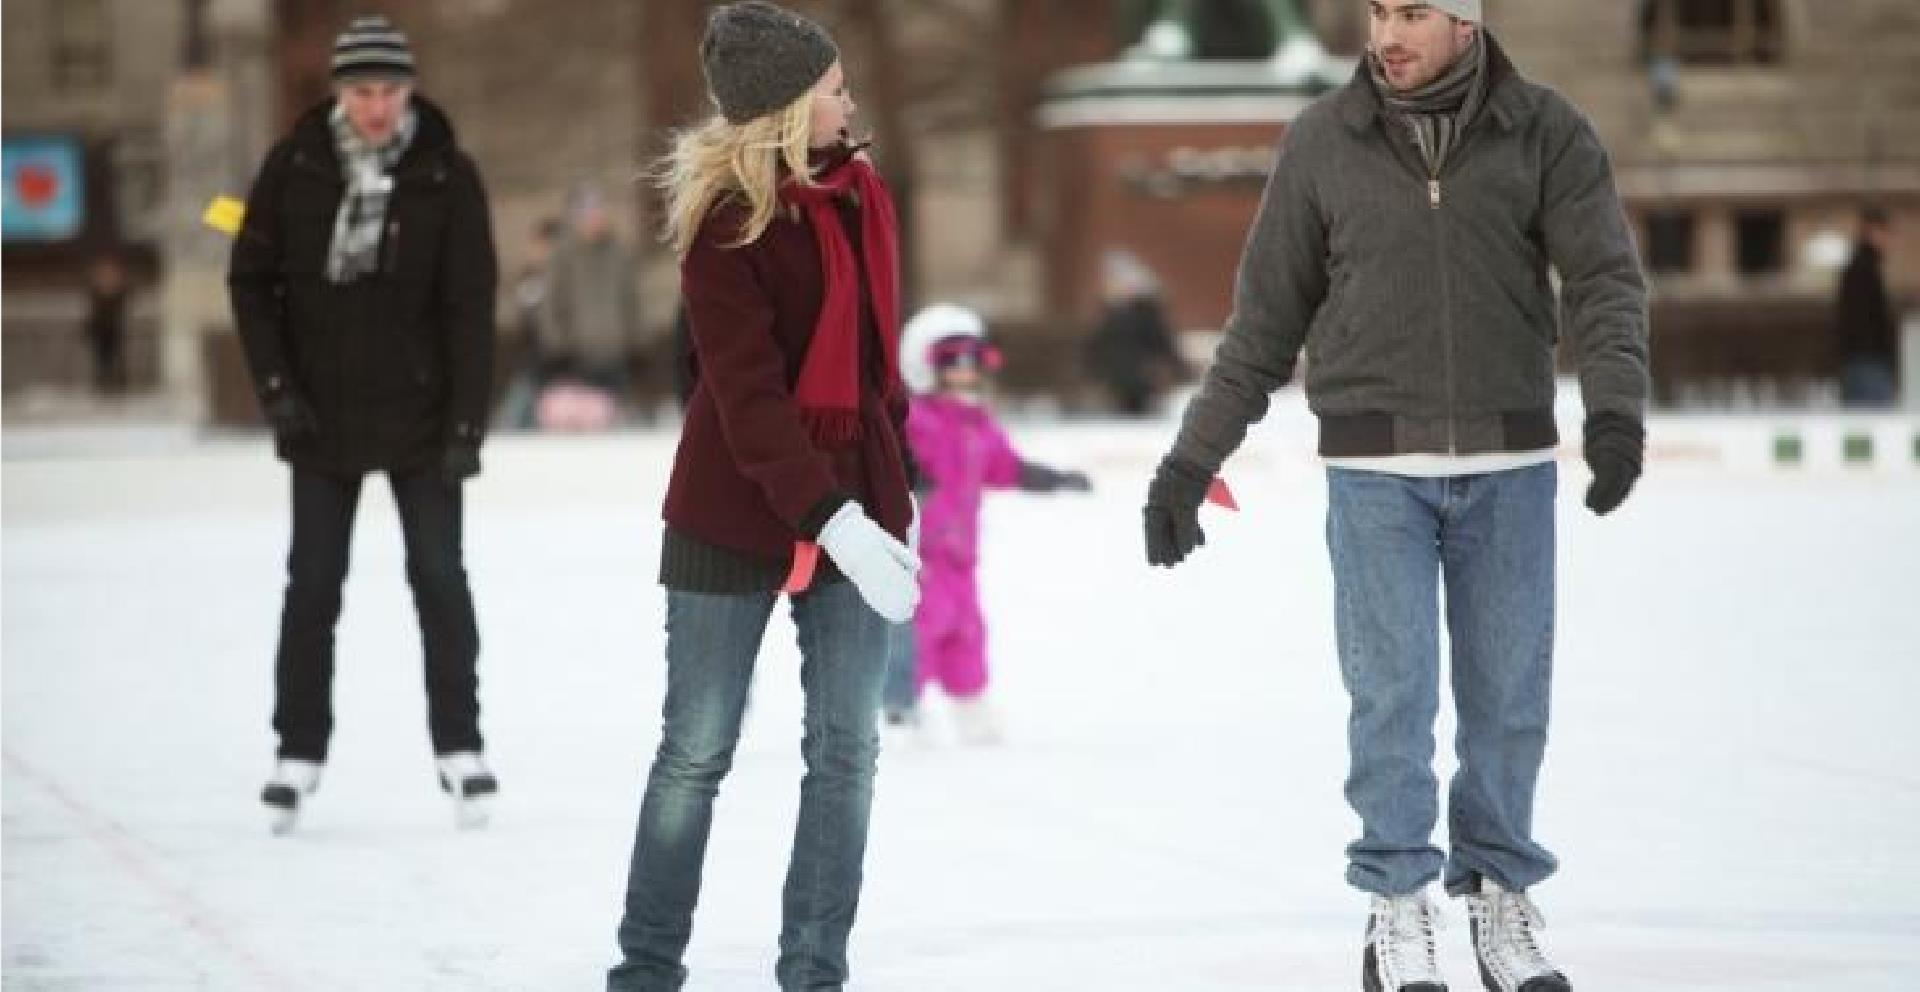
(747, 476)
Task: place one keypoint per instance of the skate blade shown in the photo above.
(472, 814)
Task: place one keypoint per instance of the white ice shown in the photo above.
(1733, 782)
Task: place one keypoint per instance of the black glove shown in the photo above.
(1614, 445)
(288, 413)
(1173, 511)
(1041, 479)
(459, 462)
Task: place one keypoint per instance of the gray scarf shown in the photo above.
(357, 225)
(1438, 112)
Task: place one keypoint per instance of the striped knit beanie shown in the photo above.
(1466, 10)
(372, 46)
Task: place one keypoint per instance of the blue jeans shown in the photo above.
(1868, 382)
(712, 641)
(902, 692)
(1393, 539)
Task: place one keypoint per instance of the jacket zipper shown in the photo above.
(1446, 300)
(1435, 197)
(391, 247)
(1446, 312)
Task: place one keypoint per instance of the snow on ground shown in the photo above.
(1731, 785)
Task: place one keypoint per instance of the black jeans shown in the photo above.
(323, 513)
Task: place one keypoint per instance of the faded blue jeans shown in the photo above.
(712, 641)
(1394, 540)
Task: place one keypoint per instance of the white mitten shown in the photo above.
(881, 568)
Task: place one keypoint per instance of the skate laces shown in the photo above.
(1513, 919)
(1406, 927)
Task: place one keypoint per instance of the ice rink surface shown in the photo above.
(1732, 785)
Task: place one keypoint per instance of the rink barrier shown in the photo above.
(1817, 443)
(1856, 448)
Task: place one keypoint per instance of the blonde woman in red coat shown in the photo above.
(789, 476)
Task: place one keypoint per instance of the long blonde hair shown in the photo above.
(719, 159)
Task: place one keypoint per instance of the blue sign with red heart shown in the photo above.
(45, 188)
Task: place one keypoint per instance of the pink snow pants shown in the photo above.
(950, 634)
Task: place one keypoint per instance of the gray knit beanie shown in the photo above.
(372, 47)
(1466, 10)
(759, 58)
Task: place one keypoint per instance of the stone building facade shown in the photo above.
(1746, 133)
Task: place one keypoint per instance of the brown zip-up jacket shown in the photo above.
(1423, 302)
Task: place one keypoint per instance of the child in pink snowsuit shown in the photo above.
(960, 453)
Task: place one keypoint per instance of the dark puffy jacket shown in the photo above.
(1865, 310)
(399, 363)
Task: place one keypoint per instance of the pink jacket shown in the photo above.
(961, 453)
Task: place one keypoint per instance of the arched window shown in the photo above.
(1712, 32)
(1232, 29)
(1215, 29)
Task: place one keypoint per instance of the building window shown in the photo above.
(81, 51)
(1670, 242)
(1760, 242)
(1712, 32)
(1209, 29)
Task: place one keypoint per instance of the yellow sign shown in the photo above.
(224, 214)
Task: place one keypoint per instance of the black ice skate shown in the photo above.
(292, 779)
(1504, 928)
(464, 776)
(1399, 956)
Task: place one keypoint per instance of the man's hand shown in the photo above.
(1615, 444)
(459, 462)
(288, 413)
(1173, 511)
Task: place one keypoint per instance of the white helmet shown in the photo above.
(933, 324)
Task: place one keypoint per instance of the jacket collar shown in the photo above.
(1507, 104)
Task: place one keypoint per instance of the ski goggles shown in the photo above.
(964, 352)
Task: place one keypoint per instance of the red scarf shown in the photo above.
(829, 386)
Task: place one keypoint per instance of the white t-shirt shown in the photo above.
(1445, 466)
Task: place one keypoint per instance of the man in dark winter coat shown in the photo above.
(363, 286)
(1869, 337)
(1404, 242)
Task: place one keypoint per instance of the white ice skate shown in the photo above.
(292, 779)
(1504, 928)
(1400, 946)
(977, 723)
(465, 777)
(907, 728)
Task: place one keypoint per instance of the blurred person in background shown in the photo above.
(960, 453)
(788, 478)
(1132, 351)
(362, 283)
(1403, 242)
(106, 323)
(590, 327)
(1869, 335)
(529, 292)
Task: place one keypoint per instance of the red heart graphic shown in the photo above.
(36, 184)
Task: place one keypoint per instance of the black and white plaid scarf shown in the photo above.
(1439, 111)
(357, 225)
